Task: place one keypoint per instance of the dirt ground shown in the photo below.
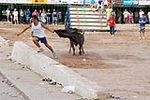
(97, 45)
(121, 61)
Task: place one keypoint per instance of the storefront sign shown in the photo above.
(130, 2)
(10, 1)
(144, 2)
(23, 1)
(117, 2)
(3, 1)
(53, 1)
(63, 1)
(39, 1)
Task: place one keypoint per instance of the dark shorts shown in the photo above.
(42, 40)
(142, 29)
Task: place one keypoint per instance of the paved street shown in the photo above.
(8, 92)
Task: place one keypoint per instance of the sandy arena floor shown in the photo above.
(97, 45)
(121, 61)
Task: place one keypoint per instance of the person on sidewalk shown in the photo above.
(112, 25)
(38, 34)
(142, 22)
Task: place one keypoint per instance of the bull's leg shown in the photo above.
(80, 49)
(72, 46)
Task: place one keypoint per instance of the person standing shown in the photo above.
(7, 14)
(148, 16)
(15, 15)
(39, 34)
(109, 12)
(92, 5)
(48, 14)
(35, 12)
(142, 22)
(27, 16)
(119, 15)
(54, 17)
(126, 16)
(43, 17)
(99, 5)
(141, 12)
(136, 16)
(112, 25)
(21, 17)
(131, 18)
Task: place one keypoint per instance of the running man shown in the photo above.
(38, 34)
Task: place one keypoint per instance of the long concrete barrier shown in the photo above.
(50, 68)
(3, 44)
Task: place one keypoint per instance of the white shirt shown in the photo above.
(105, 2)
(38, 30)
(141, 13)
(148, 14)
(7, 12)
(15, 13)
(126, 14)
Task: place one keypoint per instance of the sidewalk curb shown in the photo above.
(15, 86)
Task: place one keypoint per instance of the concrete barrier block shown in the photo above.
(3, 44)
(50, 68)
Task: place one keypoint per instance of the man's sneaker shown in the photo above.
(54, 55)
(40, 50)
(140, 37)
(143, 37)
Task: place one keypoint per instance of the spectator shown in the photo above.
(27, 16)
(148, 14)
(21, 17)
(136, 16)
(11, 17)
(35, 13)
(15, 15)
(59, 17)
(92, 5)
(39, 14)
(119, 15)
(54, 17)
(99, 5)
(7, 14)
(112, 25)
(108, 12)
(105, 3)
(141, 13)
(126, 16)
(4, 15)
(43, 17)
(142, 22)
(48, 14)
(131, 18)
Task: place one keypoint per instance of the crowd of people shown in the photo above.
(22, 16)
(130, 17)
(105, 6)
